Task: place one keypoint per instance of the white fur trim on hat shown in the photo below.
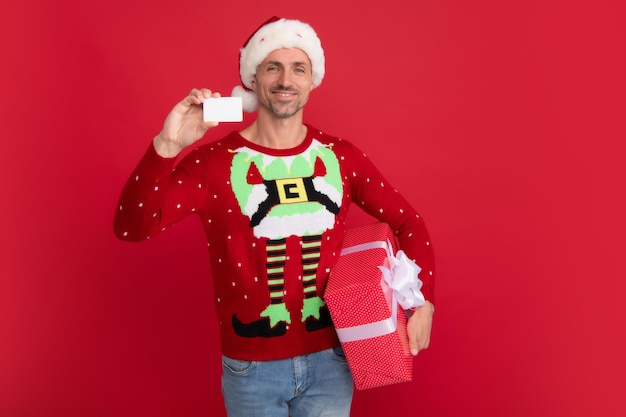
(249, 100)
(277, 34)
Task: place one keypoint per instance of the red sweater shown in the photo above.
(274, 221)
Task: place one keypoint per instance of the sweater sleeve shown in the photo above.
(377, 197)
(157, 194)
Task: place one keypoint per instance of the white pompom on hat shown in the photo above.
(275, 34)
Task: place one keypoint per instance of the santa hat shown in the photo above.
(275, 34)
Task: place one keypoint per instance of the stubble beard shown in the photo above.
(284, 112)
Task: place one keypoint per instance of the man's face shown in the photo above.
(283, 82)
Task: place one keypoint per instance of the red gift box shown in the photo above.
(370, 324)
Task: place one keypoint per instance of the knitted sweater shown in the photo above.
(274, 221)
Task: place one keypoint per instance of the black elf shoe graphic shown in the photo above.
(322, 322)
(259, 328)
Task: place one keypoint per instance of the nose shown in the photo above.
(284, 79)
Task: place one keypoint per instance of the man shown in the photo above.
(273, 200)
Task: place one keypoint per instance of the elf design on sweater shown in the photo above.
(300, 196)
(274, 220)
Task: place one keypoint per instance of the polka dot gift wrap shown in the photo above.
(371, 330)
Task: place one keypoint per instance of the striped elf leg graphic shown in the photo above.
(310, 260)
(276, 251)
(314, 311)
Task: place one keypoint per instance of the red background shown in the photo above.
(500, 121)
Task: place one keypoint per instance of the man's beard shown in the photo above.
(282, 112)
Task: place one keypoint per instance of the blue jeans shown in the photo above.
(314, 385)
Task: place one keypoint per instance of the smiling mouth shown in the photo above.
(284, 93)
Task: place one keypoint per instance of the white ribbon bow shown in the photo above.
(402, 278)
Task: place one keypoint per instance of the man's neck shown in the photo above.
(275, 133)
